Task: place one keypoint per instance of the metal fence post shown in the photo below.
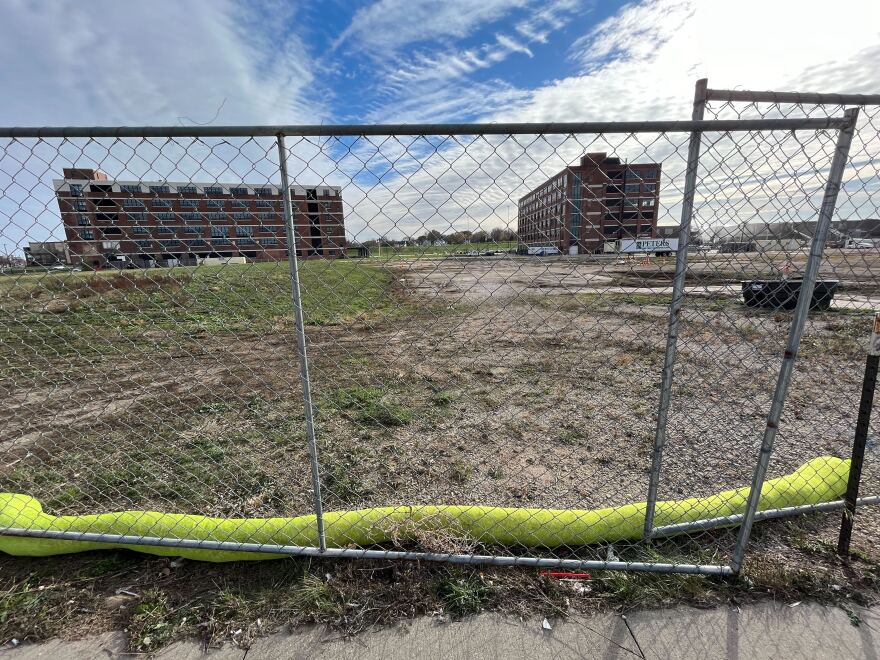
(301, 338)
(798, 322)
(862, 428)
(687, 208)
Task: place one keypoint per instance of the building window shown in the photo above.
(170, 244)
(650, 187)
(630, 201)
(132, 202)
(166, 216)
(83, 221)
(162, 203)
(265, 203)
(262, 191)
(268, 241)
(648, 174)
(160, 189)
(186, 190)
(86, 234)
(219, 232)
(239, 203)
(213, 190)
(130, 187)
(647, 202)
(81, 205)
(221, 241)
(272, 229)
(192, 229)
(244, 230)
(216, 203)
(138, 229)
(241, 216)
(144, 244)
(631, 188)
(238, 191)
(195, 242)
(190, 203)
(163, 229)
(216, 216)
(191, 217)
(267, 216)
(76, 190)
(246, 241)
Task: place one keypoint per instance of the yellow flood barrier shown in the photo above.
(821, 480)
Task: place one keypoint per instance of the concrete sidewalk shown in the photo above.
(760, 631)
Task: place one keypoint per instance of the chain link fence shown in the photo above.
(445, 343)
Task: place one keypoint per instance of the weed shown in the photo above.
(341, 480)
(152, 625)
(460, 472)
(214, 408)
(464, 594)
(368, 405)
(30, 612)
(316, 598)
(442, 398)
(571, 437)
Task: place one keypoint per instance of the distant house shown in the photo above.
(49, 253)
(439, 242)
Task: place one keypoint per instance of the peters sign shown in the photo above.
(648, 244)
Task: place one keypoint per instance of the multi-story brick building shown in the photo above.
(587, 206)
(144, 223)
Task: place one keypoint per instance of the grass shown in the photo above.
(371, 406)
(89, 315)
(211, 460)
(464, 593)
(417, 251)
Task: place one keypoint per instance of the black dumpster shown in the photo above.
(783, 294)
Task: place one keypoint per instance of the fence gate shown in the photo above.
(459, 358)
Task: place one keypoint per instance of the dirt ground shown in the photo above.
(501, 381)
(518, 382)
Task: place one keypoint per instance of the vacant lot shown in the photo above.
(498, 381)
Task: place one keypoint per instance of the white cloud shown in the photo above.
(114, 63)
(642, 62)
(387, 25)
(551, 17)
(151, 63)
(435, 82)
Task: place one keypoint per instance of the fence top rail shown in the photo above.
(805, 98)
(564, 128)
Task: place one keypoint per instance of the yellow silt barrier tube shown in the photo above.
(821, 480)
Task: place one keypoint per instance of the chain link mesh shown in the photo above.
(824, 395)
(144, 369)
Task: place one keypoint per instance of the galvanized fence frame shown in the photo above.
(844, 125)
(702, 95)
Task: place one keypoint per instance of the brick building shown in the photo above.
(586, 206)
(146, 223)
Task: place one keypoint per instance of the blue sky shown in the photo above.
(284, 61)
(164, 62)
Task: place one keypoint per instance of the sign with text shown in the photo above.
(648, 245)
